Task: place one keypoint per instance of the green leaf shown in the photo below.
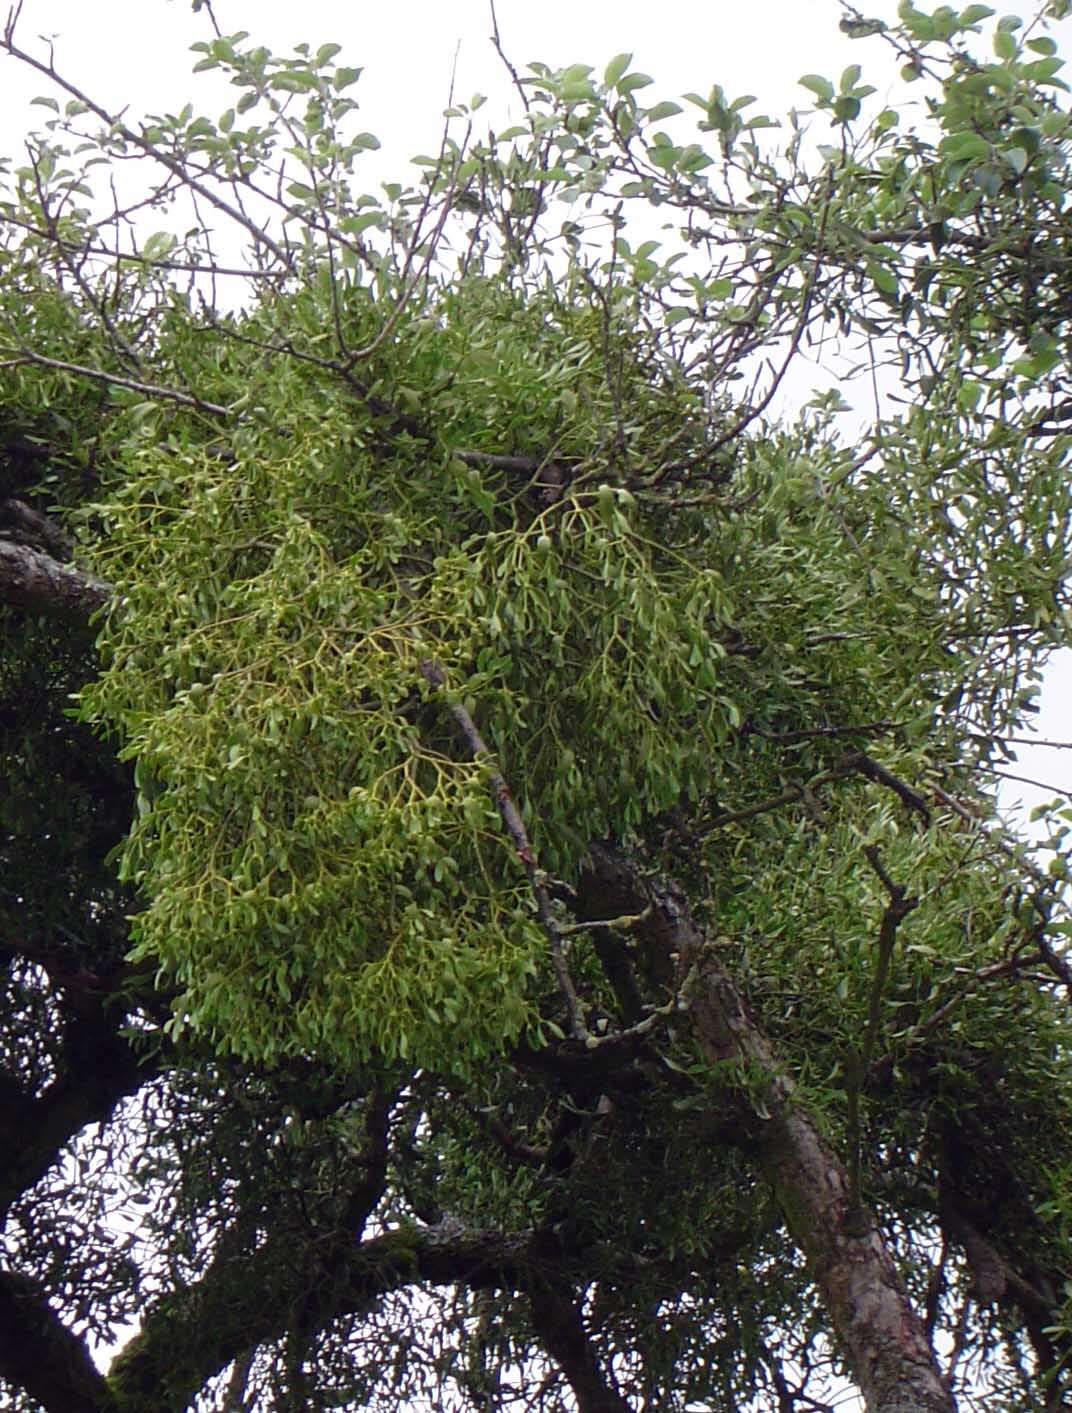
(849, 78)
(883, 278)
(1017, 159)
(846, 109)
(964, 146)
(1044, 71)
(616, 68)
(988, 179)
(665, 109)
(821, 87)
(355, 225)
(158, 246)
(861, 28)
(293, 82)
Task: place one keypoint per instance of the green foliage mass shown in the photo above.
(305, 814)
(323, 866)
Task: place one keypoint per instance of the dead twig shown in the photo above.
(17, 357)
(511, 817)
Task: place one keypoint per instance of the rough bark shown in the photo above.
(239, 1304)
(24, 525)
(235, 1307)
(880, 1334)
(37, 583)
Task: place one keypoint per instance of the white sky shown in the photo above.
(134, 54)
(408, 49)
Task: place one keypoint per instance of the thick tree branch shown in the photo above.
(37, 583)
(40, 1355)
(188, 1339)
(883, 1338)
(560, 1326)
(100, 1068)
(26, 526)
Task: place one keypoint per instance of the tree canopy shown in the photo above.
(503, 905)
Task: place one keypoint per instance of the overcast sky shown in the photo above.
(134, 54)
(408, 49)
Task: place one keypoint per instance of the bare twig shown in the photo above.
(628, 922)
(66, 254)
(1008, 966)
(131, 257)
(678, 1002)
(863, 763)
(410, 281)
(16, 357)
(496, 40)
(515, 827)
(858, 763)
(121, 130)
(1036, 741)
(757, 409)
(1025, 780)
(863, 728)
(787, 797)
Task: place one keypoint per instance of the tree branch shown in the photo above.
(39, 584)
(18, 356)
(39, 1354)
(119, 129)
(884, 1340)
(100, 1069)
(560, 1327)
(237, 1305)
(515, 827)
